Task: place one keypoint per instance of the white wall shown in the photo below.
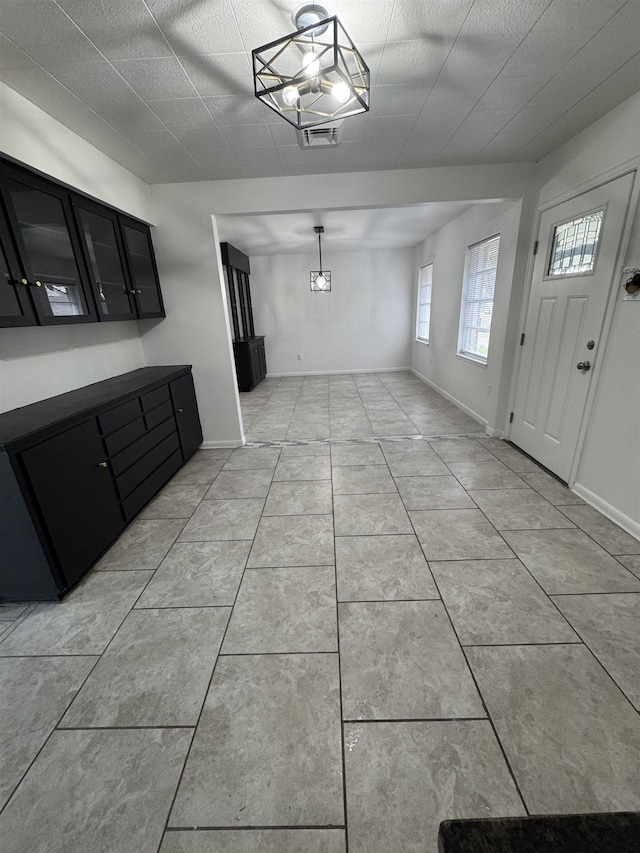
(609, 468)
(472, 385)
(362, 324)
(41, 362)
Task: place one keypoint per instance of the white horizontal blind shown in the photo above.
(477, 304)
(424, 303)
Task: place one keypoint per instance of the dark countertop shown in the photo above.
(20, 423)
(617, 832)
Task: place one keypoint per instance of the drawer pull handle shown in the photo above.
(103, 465)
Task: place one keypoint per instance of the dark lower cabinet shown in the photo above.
(251, 362)
(76, 498)
(185, 406)
(76, 469)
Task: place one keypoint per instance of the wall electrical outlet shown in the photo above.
(299, 356)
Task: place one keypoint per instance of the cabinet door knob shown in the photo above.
(138, 291)
(102, 464)
(38, 283)
(179, 410)
(23, 281)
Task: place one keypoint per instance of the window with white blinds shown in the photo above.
(423, 314)
(477, 299)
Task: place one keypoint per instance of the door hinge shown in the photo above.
(511, 418)
(522, 339)
(535, 247)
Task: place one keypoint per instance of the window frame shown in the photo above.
(421, 286)
(464, 304)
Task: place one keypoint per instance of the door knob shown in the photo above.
(102, 464)
(584, 365)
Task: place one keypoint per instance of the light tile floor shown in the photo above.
(302, 646)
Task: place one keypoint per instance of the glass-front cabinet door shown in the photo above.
(142, 268)
(104, 254)
(15, 305)
(40, 214)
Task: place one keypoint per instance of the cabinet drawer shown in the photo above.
(139, 448)
(125, 436)
(154, 398)
(138, 473)
(158, 415)
(118, 417)
(140, 496)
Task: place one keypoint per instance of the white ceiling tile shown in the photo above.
(364, 20)
(201, 141)
(293, 155)
(120, 29)
(257, 156)
(445, 118)
(530, 121)
(240, 109)
(438, 19)
(423, 146)
(511, 92)
(193, 28)
(261, 25)
(284, 133)
(397, 100)
(248, 136)
(485, 121)
(411, 62)
(262, 171)
(465, 143)
(480, 57)
(11, 56)
(506, 144)
(545, 52)
(152, 79)
(345, 152)
(392, 130)
(220, 74)
(583, 13)
(372, 54)
(180, 113)
(95, 82)
(502, 18)
(45, 32)
(355, 128)
(185, 173)
(129, 117)
(302, 169)
(374, 150)
(156, 142)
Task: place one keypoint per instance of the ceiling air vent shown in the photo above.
(322, 136)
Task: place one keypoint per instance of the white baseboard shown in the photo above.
(494, 433)
(215, 445)
(337, 372)
(620, 518)
(453, 400)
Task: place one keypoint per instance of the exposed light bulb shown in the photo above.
(290, 95)
(321, 282)
(341, 92)
(311, 64)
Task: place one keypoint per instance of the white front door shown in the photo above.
(578, 244)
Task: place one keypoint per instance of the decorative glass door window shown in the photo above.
(574, 245)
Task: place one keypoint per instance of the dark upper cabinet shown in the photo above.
(65, 258)
(142, 268)
(16, 307)
(105, 259)
(40, 217)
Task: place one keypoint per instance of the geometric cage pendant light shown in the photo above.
(320, 279)
(314, 75)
